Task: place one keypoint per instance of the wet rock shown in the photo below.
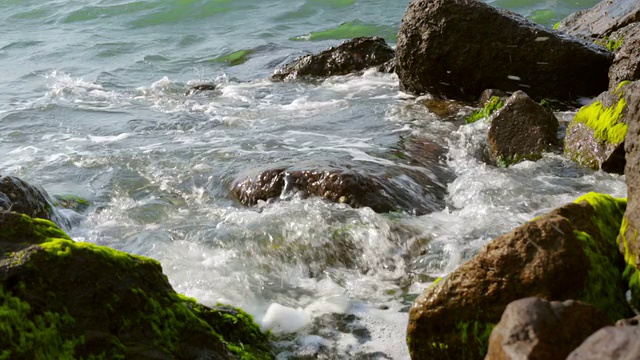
(445, 109)
(389, 67)
(393, 189)
(62, 299)
(488, 94)
(601, 20)
(536, 329)
(193, 89)
(351, 56)
(72, 202)
(610, 343)
(626, 61)
(521, 130)
(595, 137)
(629, 241)
(453, 318)
(22, 197)
(490, 106)
(457, 48)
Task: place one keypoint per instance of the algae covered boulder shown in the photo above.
(521, 130)
(457, 48)
(595, 137)
(64, 299)
(351, 56)
(569, 253)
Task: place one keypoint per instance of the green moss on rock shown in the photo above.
(605, 121)
(493, 104)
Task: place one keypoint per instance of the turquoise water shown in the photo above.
(92, 103)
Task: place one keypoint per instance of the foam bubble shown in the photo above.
(282, 319)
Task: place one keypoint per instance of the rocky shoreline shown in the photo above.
(550, 289)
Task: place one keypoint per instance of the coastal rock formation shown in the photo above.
(601, 20)
(351, 56)
(392, 190)
(629, 241)
(457, 48)
(626, 61)
(536, 329)
(521, 130)
(595, 137)
(65, 299)
(610, 343)
(453, 318)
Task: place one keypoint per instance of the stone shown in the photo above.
(626, 61)
(454, 317)
(536, 329)
(389, 67)
(601, 20)
(65, 299)
(351, 56)
(629, 241)
(595, 137)
(457, 48)
(521, 130)
(610, 343)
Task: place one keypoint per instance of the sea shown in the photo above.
(95, 102)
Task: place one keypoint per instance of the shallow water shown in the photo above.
(93, 103)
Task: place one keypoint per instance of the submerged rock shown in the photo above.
(601, 20)
(72, 202)
(63, 299)
(521, 130)
(595, 137)
(351, 56)
(453, 318)
(610, 343)
(457, 48)
(536, 329)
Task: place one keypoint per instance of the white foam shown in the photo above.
(108, 139)
(282, 319)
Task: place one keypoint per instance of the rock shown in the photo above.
(595, 136)
(521, 130)
(490, 106)
(351, 56)
(71, 202)
(19, 196)
(388, 67)
(626, 61)
(536, 329)
(610, 343)
(194, 89)
(457, 48)
(453, 318)
(601, 20)
(488, 94)
(445, 109)
(62, 299)
(634, 321)
(393, 189)
(629, 242)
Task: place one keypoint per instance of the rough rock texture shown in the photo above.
(352, 55)
(595, 137)
(601, 20)
(19, 196)
(60, 299)
(453, 318)
(536, 329)
(457, 48)
(521, 130)
(626, 61)
(393, 189)
(388, 67)
(629, 241)
(610, 343)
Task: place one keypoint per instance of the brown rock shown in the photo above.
(521, 130)
(610, 343)
(453, 318)
(457, 48)
(351, 56)
(536, 329)
(626, 61)
(601, 20)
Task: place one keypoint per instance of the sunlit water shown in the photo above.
(92, 103)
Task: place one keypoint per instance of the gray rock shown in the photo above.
(601, 20)
(610, 343)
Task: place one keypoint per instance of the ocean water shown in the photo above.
(93, 103)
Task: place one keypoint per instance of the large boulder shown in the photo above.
(626, 61)
(457, 48)
(536, 329)
(601, 20)
(610, 343)
(569, 253)
(393, 189)
(521, 130)
(351, 56)
(629, 241)
(595, 137)
(63, 299)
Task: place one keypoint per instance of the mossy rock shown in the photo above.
(96, 302)
(71, 202)
(595, 137)
(569, 253)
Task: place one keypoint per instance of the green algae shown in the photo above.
(350, 30)
(72, 202)
(610, 44)
(631, 275)
(493, 104)
(605, 121)
(474, 335)
(235, 58)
